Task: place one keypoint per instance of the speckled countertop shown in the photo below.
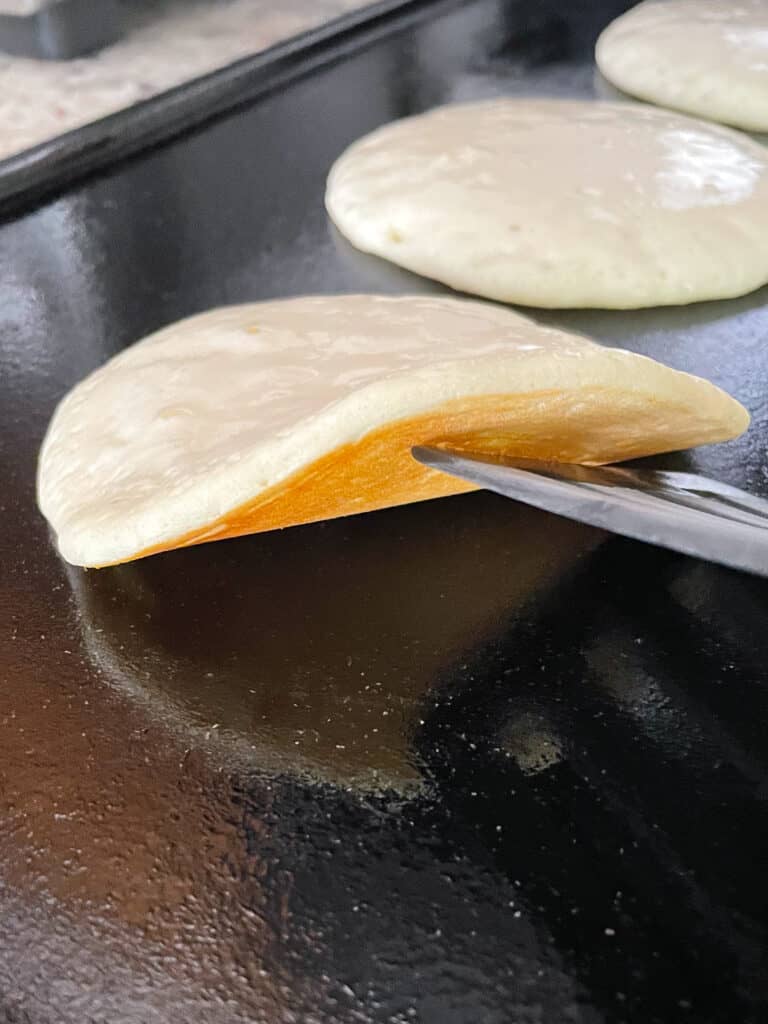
(42, 99)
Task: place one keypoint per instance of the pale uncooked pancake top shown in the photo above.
(199, 418)
(705, 57)
(261, 383)
(557, 203)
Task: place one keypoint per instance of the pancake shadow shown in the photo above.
(310, 651)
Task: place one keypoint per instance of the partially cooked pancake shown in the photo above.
(560, 203)
(267, 415)
(705, 57)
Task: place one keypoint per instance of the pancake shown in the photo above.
(704, 57)
(261, 416)
(557, 203)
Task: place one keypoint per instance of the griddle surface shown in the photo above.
(456, 762)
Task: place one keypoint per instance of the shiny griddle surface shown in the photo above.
(458, 762)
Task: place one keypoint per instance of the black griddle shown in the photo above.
(455, 763)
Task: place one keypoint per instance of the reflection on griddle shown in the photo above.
(312, 650)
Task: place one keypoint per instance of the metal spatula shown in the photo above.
(681, 511)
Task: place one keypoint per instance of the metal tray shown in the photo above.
(44, 168)
(455, 762)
